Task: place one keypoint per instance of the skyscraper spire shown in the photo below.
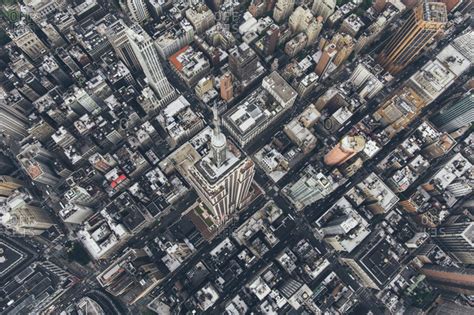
(218, 140)
(216, 120)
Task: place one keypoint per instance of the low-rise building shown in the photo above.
(309, 188)
(190, 65)
(264, 106)
(343, 227)
(179, 121)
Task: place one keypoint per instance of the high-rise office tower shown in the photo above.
(461, 187)
(23, 218)
(344, 150)
(149, 60)
(34, 82)
(38, 163)
(340, 225)
(327, 55)
(24, 37)
(200, 16)
(257, 8)
(243, 61)
(222, 178)
(439, 148)
(323, 8)
(54, 37)
(427, 19)
(227, 90)
(282, 10)
(81, 196)
(450, 278)
(13, 123)
(457, 115)
(344, 45)
(75, 214)
(138, 10)
(271, 39)
(82, 101)
(60, 77)
(117, 36)
(457, 239)
(302, 20)
(8, 184)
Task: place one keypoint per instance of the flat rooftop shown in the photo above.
(251, 112)
(435, 12)
(456, 56)
(274, 83)
(379, 263)
(374, 188)
(465, 45)
(11, 257)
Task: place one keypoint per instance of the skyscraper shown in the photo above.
(424, 22)
(16, 214)
(27, 40)
(271, 39)
(450, 278)
(283, 9)
(75, 214)
(457, 239)
(243, 61)
(38, 163)
(8, 184)
(461, 187)
(340, 225)
(117, 36)
(138, 10)
(12, 122)
(456, 115)
(302, 20)
(222, 178)
(327, 55)
(344, 150)
(226, 87)
(323, 8)
(149, 60)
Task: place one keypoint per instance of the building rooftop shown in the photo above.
(354, 233)
(375, 189)
(433, 78)
(101, 234)
(178, 119)
(211, 171)
(278, 87)
(434, 12)
(464, 44)
(456, 56)
(453, 169)
(12, 257)
(354, 22)
(189, 62)
(380, 262)
(261, 106)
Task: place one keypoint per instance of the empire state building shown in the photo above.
(222, 178)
